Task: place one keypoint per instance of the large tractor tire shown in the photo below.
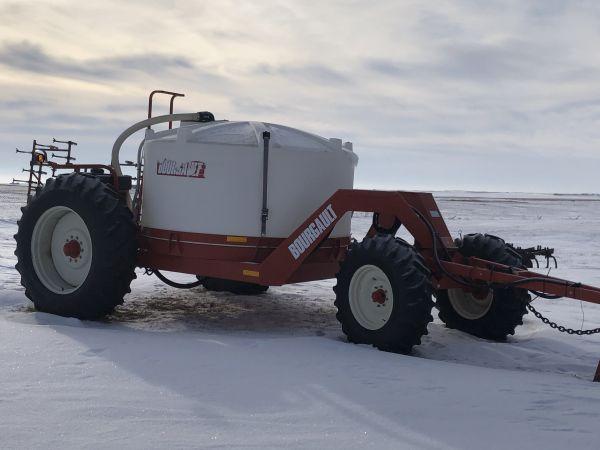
(76, 248)
(235, 287)
(490, 315)
(383, 294)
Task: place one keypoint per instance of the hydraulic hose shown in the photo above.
(175, 284)
(434, 239)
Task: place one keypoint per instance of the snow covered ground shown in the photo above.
(173, 369)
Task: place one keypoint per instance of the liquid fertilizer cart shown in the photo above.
(248, 205)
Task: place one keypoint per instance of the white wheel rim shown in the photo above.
(371, 297)
(61, 250)
(469, 306)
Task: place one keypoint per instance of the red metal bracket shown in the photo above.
(175, 242)
(172, 94)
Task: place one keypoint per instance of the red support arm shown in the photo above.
(279, 267)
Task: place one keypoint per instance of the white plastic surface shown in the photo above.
(304, 170)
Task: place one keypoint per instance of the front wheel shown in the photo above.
(383, 294)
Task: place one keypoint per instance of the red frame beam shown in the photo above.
(498, 274)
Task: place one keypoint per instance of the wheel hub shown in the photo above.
(379, 296)
(72, 249)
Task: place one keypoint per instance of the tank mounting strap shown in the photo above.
(264, 215)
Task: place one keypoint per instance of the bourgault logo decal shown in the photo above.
(190, 169)
(312, 232)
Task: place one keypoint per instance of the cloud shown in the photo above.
(29, 57)
(22, 103)
(507, 61)
(312, 72)
(549, 8)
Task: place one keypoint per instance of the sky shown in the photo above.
(464, 94)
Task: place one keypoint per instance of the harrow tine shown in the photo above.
(548, 258)
(64, 157)
(64, 142)
(21, 181)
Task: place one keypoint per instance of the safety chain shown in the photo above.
(560, 327)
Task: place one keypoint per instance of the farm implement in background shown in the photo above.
(40, 159)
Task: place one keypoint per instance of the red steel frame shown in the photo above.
(276, 264)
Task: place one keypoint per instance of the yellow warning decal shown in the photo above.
(237, 239)
(250, 273)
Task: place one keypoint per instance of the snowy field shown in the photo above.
(174, 369)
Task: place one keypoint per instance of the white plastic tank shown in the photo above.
(207, 178)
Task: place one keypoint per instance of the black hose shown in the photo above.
(434, 238)
(174, 284)
(546, 296)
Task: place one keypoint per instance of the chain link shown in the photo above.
(560, 327)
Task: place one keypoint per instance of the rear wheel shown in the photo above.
(383, 294)
(490, 314)
(76, 248)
